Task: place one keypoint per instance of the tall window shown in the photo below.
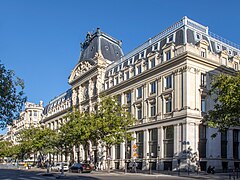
(139, 92)
(203, 104)
(169, 105)
(153, 139)
(153, 87)
(202, 141)
(203, 80)
(128, 96)
(152, 63)
(139, 143)
(127, 75)
(168, 55)
(107, 85)
(116, 80)
(168, 82)
(139, 69)
(141, 55)
(236, 66)
(152, 109)
(168, 141)
(235, 144)
(95, 88)
(224, 144)
(139, 113)
(117, 151)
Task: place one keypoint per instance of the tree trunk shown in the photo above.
(108, 159)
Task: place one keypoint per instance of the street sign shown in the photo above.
(135, 155)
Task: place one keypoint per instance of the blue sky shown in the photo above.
(40, 39)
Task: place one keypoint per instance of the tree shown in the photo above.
(11, 96)
(4, 149)
(225, 90)
(112, 121)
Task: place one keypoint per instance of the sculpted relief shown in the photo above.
(82, 68)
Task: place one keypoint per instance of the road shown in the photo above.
(12, 173)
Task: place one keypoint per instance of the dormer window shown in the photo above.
(218, 47)
(141, 55)
(170, 38)
(155, 47)
(198, 36)
(230, 52)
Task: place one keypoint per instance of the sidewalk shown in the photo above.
(200, 175)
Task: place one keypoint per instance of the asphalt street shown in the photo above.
(18, 174)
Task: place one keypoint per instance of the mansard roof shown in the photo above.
(101, 43)
(180, 33)
(58, 100)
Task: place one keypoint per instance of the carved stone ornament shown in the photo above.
(80, 69)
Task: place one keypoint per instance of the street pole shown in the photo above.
(125, 171)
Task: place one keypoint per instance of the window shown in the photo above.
(153, 87)
(168, 141)
(117, 151)
(141, 55)
(139, 113)
(95, 88)
(139, 143)
(203, 80)
(35, 113)
(30, 113)
(168, 82)
(152, 63)
(170, 38)
(153, 138)
(224, 61)
(203, 104)
(235, 144)
(198, 36)
(128, 95)
(218, 47)
(153, 109)
(236, 66)
(139, 69)
(202, 141)
(168, 55)
(155, 47)
(224, 144)
(116, 80)
(127, 75)
(107, 85)
(203, 52)
(139, 92)
(168, 105)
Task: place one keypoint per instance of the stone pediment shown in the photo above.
(81, 68)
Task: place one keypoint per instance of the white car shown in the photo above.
(58, 167)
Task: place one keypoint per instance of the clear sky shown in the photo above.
(40, 39)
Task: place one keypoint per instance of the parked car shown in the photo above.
(80, 168)
(58, 167)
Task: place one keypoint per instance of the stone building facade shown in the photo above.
(31, 116)
(164, 82)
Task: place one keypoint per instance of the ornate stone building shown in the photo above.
(164, 82)
(31, 116)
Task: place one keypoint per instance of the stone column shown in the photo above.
(146, 149)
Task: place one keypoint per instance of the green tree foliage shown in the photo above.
(112, 121)
(5, 149)
(11, 96)
(35, 139)
(225, 90)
